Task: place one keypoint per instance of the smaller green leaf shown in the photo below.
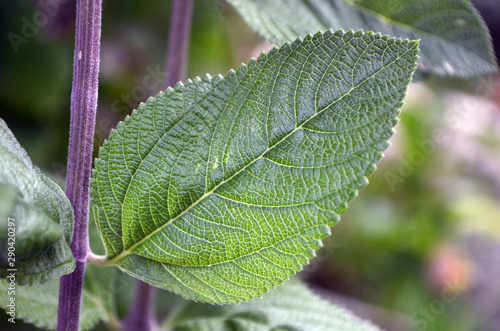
(34, 230)
(290, 307)
(38, 304)
(40, 218)
(454, 39)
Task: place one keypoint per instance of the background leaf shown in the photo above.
(290, 307)
(454, 38)
(223, 188)
(42, 213)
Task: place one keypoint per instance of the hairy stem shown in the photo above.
(141, 315)
(178, 41)
(81, 142)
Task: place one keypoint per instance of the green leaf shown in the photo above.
(290, 307)
(454, 38)
(38, 304)
(41, 216)
(222, 188)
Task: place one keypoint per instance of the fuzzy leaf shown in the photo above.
(222, 188)
(454, 38)
(42, 217)
(290, 307)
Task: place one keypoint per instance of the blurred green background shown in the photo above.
(419, 249)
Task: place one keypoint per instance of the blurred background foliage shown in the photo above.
(419, 249)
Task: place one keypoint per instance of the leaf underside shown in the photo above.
(222, 188)
(42, 215)
(290, 307)
(454, 38)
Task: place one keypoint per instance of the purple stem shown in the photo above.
(141, 315)
(178, 41)
(81, 143)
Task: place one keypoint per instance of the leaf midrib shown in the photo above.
(129, 250)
